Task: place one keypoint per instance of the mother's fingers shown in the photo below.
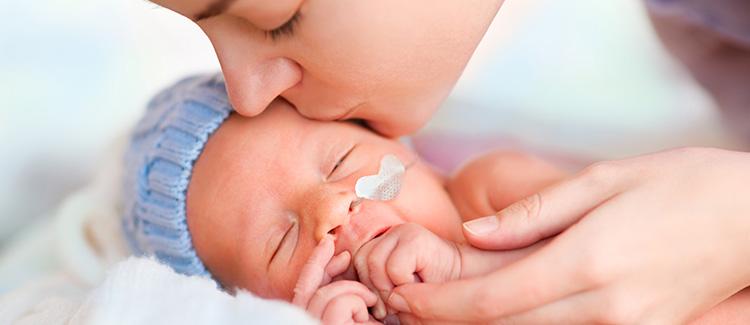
(548, 212)
(313, 273)
(550, 274)
(576, 309)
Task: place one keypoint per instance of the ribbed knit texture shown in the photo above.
(159, 163)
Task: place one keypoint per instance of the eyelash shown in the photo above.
(341, 161)
(287, 29)
(281, 242)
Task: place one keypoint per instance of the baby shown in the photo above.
(248, 200)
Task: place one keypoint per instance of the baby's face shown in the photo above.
(266, 189)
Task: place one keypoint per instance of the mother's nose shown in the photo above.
(253, 86)
(255, 71)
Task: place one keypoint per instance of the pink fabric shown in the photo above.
(712, 39)
(448, 152)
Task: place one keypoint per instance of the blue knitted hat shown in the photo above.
(159, 163)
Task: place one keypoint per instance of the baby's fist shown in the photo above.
(342, 302)
(407, 253)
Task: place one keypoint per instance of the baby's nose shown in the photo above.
(332, 212)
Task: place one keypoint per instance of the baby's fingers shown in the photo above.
(402, 267)
(346, 309)
(313, 273)
(370, 268)
(325, 295)
(338, 265)
(437, 262)
(376, 265)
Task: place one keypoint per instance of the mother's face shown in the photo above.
(389, 62)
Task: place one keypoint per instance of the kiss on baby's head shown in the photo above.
(245, 200)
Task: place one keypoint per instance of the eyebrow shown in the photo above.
(214, 9)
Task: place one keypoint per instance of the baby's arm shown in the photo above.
(493, 181)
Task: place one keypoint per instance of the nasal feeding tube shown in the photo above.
(385, 185)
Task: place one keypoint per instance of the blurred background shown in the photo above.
(584, 78)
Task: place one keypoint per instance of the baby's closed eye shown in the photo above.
(287, 241)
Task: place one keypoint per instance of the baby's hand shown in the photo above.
(407, 253)
(343, 302)
(340, 302)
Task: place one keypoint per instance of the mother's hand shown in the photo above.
(655, 239)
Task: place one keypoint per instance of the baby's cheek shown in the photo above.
(424, 200)
(278, 283)
(271, 282)
(285, 276)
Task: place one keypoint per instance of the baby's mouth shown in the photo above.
(351, 271)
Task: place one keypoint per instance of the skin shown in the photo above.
(327, 68)
(680, 247)
(248, 166)
(240, 204)
(391, 62)
(392, 260)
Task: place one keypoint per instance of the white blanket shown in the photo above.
(89, 279)
(142, 291)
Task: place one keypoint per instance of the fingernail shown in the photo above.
(482, 226)
(379, 312)
(399, 303)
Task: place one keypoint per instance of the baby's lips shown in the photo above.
(370, 219)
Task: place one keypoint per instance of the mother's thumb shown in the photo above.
(544, 214)
(516, 226)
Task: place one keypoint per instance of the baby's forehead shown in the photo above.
(259, 156)
(277, 142)
(282, 120)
